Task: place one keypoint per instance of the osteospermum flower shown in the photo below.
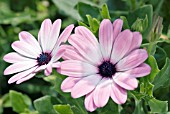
(32, 56)
(103, 69)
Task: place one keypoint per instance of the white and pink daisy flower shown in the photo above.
(103, 69)
(32, 56)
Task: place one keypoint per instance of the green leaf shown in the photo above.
(82, 24)
(158, 106)
(138, 108)
(141, 13)
(67, 7)
(154, 68)
(105, 12)
(160, 56)
(94, 24)
(44, 106)
(6, 101)
(110, 108)
(86, 9)
(138, 102)
(125, 22)
(162, 79)
(18, 101)
(15, 18)
(63, 109)
(140, 24)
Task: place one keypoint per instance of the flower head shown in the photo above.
(32, 56)
(103, 69)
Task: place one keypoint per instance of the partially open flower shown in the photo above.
(32, 56)
(103, 69)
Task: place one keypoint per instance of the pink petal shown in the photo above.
(121, 45)
(65, 34)
(125, 81)
(136, 41)
(58, 54)
(118, 94)
(106, 38)
(29, 39)
(71, 53)
(44, 34)
(26, 78)
(25, 49)
(69, 83)
(134, 59)
(102, 92)
(21, 66)
(85, 85)
(87, 34)
(77, 68)
(14, 58)
(48, 70)
(20, 75)
(89, 102)
(117, 27)
(86, 49)
(56, 65)
(53, 35)
(140, 71)
(40, 68)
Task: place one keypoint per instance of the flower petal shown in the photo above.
(69, 83)
(140, 71)
(26, 78)
(65, 34)
(43, 35)
(21, 66)
(106, 38)
(117, 27)
(89, 102)
(25, 49)
(14, 58)
(134, 59)
(136, 41)
(20, 75)
(121, 45)
(71, 53)
(118, 94)
(86, 49)
(48, 69)
(102, 92)
(125, 81)
(29, 39)
(87, 34)
(85, 85)
(77, 68)
(53, 35)
(59, 53)
(56, 65)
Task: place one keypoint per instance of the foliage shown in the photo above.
(42, 95)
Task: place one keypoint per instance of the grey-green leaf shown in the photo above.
(18, 102)
(63, 109)
(158, 106)
(44, 106)
(163, 77)
(105, 12)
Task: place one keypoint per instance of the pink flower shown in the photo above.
(103, 69)
(32, 56)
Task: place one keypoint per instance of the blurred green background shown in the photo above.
(27, 15)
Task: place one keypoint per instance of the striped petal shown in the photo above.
(85, 85)
(121, 45)
(77, 68)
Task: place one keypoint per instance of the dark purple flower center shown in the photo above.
(107, 69)
(43, 59)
